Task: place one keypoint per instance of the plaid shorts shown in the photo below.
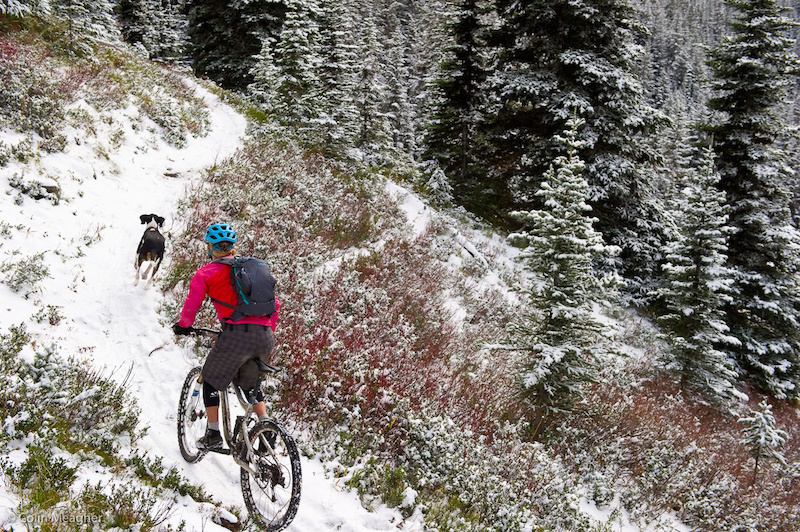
(231, 358)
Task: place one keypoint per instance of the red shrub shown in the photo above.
(363, 322)
(9, 47)
(674, 453)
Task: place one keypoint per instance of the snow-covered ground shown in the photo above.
(88, 241)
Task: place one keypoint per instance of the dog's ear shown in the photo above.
(159, 220)
(145, 218)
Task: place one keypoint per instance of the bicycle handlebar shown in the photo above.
(204, 331)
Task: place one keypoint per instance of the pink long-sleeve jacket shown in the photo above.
(214, 280)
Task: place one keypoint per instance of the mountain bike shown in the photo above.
(264, 450)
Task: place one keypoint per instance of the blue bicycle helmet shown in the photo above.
(217, 233)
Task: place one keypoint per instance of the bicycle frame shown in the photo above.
(232, 433)
(236, 433)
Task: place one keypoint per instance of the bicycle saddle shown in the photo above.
(264, 367)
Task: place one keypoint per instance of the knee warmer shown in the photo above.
(210, 395)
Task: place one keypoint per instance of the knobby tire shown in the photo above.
(274, 496)
(192, 420)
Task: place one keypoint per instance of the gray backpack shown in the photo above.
(253, 285)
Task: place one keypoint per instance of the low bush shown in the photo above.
(666, 452)
(25, 273)
(40, 84)
(35, 189)
(31, 99)
(73, 414)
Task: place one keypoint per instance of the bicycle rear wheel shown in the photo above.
(272, 496)
(192, 420)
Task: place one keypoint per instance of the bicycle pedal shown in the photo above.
(220, 450)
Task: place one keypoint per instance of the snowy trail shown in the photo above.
(89, 241)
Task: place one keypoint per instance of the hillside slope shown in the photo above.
(85, 233)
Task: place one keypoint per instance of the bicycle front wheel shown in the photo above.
(192, 420)
(273, 495)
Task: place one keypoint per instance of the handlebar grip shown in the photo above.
(201, 330)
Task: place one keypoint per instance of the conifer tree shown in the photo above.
(14, 8)
(398, 108)
(698, 287)
(677, 143)
(437, 186)
(87, 18)
(558, 348)
(423, 52)
(428, 38)
(226, 36)
(556, 56)
(337, 74)
(373, 135)
(762, 437)
(296, 57)
(172, 39)
(752, 69)
(266, 77)
(161, 27)
(134, 17)
(451, 136)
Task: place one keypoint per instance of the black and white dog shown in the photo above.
(151, 248)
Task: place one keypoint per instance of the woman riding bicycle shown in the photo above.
(232, 358)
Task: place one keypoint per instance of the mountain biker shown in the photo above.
(240, 342)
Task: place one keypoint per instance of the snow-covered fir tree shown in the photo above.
(437, 186)
(557, 56)
(698, 287)
(225, 37)
(161, 27)
(762, 437)
(677, 145)
(297, 92)
(85, 18)
(453, 127)
(558, 338)
(752, 69)
(398, 108)
(135, 17)
(266, 76)
(172, 41)
(337, 78)
(424, 52)
(15, 8)
(373, 135)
